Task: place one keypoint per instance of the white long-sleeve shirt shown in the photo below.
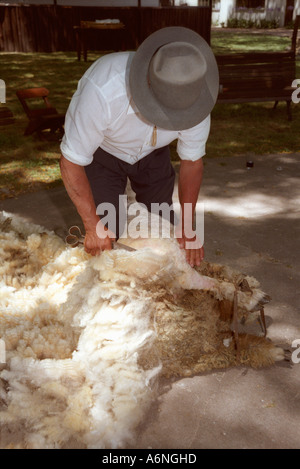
(102, 114)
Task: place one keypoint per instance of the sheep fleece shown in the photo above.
(86, 339)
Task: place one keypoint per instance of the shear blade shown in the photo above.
(117, 245)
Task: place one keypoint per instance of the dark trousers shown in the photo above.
(152, 179)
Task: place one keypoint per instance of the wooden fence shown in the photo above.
(50, 28)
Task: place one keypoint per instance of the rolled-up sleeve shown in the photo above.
(85, 122)
(191, 144)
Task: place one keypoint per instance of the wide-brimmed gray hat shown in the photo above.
(174, 78)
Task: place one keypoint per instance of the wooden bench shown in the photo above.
(258, 77)
(43, 115)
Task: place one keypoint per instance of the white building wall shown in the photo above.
(190, 3)
(296, 9)
(274, 10)
(227, 10)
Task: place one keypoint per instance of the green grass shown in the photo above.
(59, 72)
(255, 127)
(224, 42)
(28, 164)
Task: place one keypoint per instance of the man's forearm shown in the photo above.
(79, 190)
(190, 179)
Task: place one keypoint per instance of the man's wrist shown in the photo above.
(90, 224)
(187, 227)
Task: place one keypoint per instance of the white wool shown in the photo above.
(75, 328)
(91, 388)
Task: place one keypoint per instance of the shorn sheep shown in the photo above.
(87, 339)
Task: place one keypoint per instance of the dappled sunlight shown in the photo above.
(238, 129)
(283, 330)
(25, 176)
(253, 206)
(28, 176)
(268, 190)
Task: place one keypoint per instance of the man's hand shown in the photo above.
(194, 251)
(94, 245)
(190, 178)
(98, 239)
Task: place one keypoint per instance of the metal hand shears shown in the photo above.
(75, 237)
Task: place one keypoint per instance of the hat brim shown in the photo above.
(146, 101)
